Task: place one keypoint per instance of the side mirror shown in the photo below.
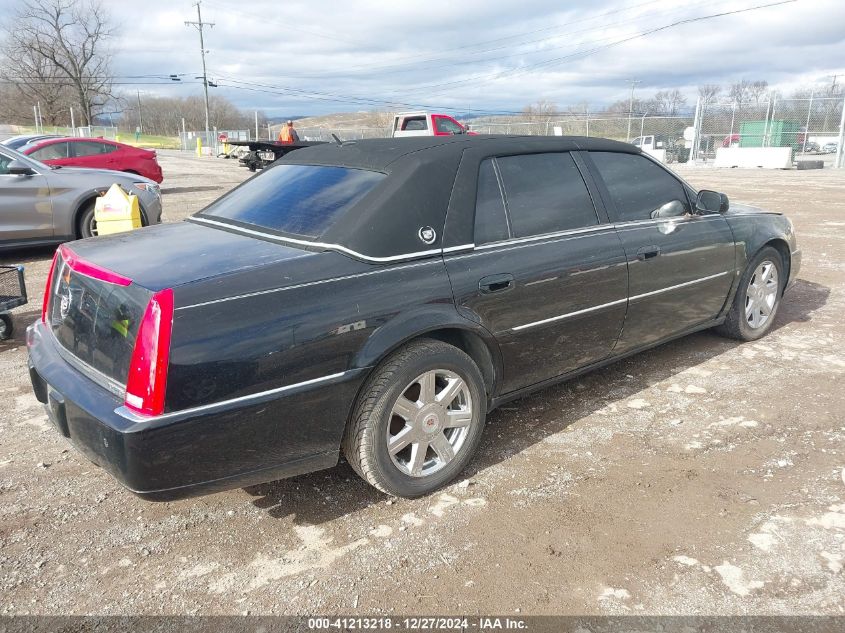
(711, 202)
(18, 168)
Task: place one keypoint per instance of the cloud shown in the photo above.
(311, 57)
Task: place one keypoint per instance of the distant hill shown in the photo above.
(340, 121)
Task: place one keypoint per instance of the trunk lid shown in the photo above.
(101, 288)
(171, 255)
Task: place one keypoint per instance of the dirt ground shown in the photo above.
(702, 477)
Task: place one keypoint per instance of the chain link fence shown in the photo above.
(621, 127)
(109, 132)
(811, 127)
(343, 133)
(213, 143)
(808, 126)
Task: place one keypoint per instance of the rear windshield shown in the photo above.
(300, 200)
(96, 321)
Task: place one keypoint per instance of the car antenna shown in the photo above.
(341, 143)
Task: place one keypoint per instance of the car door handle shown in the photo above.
(495, 283)
(648, 252)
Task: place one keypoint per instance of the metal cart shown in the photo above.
(12, 295)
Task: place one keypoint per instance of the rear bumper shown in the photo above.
(199, 451)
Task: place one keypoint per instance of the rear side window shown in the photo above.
(545, 193)
(491, 223)
(300, 200)
(639, 188)
(415, 124)
(51, 152)
(90, 148)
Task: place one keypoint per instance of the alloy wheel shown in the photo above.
(761, 295)
(429, 422)
(92, 226)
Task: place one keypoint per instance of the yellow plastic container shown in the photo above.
(117, 212)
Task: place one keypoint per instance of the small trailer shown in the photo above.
(262, 153)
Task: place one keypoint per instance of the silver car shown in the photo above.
(40, 204)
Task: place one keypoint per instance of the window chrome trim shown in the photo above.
(326, 245)
(609, 304)
(534, 238)
(130, 415)
(676, 219)
(544, 236)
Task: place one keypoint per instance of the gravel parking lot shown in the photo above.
(703, 477)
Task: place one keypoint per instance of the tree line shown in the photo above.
(56, 54)
(741, 94)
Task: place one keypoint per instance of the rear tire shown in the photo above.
(757, 298)
(418, 419)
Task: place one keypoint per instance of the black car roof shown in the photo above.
(387, 224)
(378, 154)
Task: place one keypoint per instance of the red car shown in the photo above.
(96, 153)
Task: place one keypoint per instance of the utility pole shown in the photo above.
(633, 83)
(199, 24)
(140, 120)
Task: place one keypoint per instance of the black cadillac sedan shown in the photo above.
(379, 298)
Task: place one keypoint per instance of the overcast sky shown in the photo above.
(301, 57)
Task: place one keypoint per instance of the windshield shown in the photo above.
(299, 200)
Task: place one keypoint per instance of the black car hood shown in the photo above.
(171, 255)
(738, 208)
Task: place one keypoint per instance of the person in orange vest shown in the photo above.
(287, 134)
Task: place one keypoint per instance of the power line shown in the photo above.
(264, 19)
(486, 78)
(400, 67)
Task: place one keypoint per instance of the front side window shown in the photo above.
(300, 200)
(545, 193)
(4, 164)
(640, 189)
(447, 126)
(51, 152)
(491, 224)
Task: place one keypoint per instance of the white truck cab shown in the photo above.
(426, 124)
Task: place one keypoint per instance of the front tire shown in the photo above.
(418, 420)
(757, 299)
(87, 223)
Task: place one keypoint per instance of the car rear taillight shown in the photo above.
(45, 306)
(89, 269)
(147, 379)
